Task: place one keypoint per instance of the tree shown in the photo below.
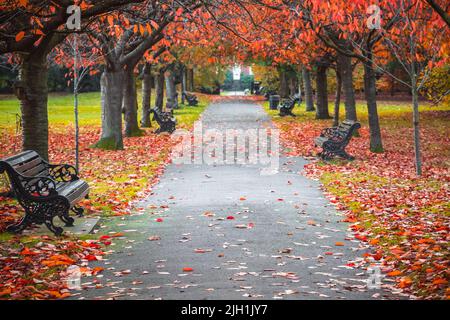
(419, 42)
(30, 30)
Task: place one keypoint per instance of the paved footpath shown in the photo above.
(281, 243)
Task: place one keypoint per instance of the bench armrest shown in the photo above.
(329, 132)
(63, 172)
(38, 186)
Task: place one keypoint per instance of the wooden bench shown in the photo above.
(334, 140)
(44, 190)
(191, 99)
(288, 104)
(165, 120)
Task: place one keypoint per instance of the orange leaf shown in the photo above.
(20, 36)
(339, 244)
(440, 281)
(117, 235)
(5, 292)
(394, 273)
(187, 269)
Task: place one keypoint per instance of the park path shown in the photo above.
(289, 252)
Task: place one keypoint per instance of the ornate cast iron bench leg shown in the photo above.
(78, 211)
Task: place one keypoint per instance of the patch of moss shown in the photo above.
(107, 144)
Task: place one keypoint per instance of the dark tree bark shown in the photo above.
(159, 88)
(284, 88)
(32, 91)
(111, 84)
(322, 93)
(130, 104)
(146, 96)
(337, 99)
(292, 84)
(370, 91)
(307, 87)
(171, 89)
(346, 72)
(183, 83)
(440, 11)
(190, 77)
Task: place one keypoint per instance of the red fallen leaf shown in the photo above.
(360, 237)
(199, 251)
(230, 218)
(27, 251)
(94, 245)
(104, 237)
(440, 281)
(377, 256)
(97, 270)
(187, 269)
(280, 199)
(394, 273)
(329, 253)
(159, 220)
(405, 282)
(250, 225)
(339, 244)
(107, 243)
(90, 257)
(242, 198)
(427, 240)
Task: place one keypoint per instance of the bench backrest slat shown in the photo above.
(346, 130)
(27, 163)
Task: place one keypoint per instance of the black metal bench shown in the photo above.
(334, 140)
(165, 120)
(191, 98)
(288, 104)
(44, 190)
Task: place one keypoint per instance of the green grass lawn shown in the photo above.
(61, 110)
(387, 111)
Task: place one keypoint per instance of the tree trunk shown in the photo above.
(284, 88)
(299, 84)
(322, 93)
(346, 71)
(309, 100)
(111, 84)
(171, 89)
(415, 101)
(337, 99)
(32, 91)
(183, 83)
(292, 84)
(190, 77)
(159, 88)
(370, 92)
(130, 105)
(146, 96)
